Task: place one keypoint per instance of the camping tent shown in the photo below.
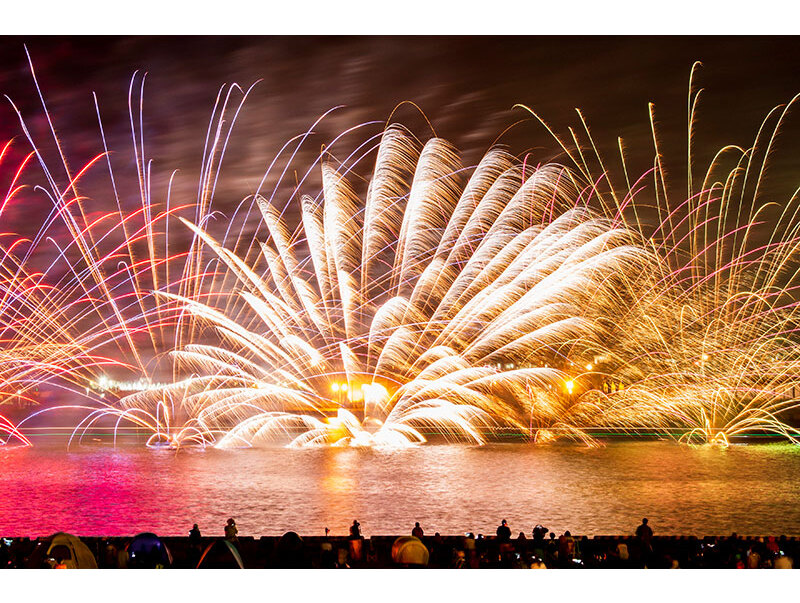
(408, 550)
(221, 554)
(68, 552)
(289, 551)
(147, 551)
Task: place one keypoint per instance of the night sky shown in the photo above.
(466, 86)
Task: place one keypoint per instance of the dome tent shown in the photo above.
(147, 551)
(66, 551)
(220, 554)
(409, 551)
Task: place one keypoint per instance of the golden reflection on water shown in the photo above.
(338, 471)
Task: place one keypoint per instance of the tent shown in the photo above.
(147, 551)
(66, 551)
(409, 551)
(289, 551)
(220, 554)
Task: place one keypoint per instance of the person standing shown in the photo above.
(566, 549)
(644, 533)
(503, 532)
(355, 542)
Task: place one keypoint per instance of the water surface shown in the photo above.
(102, 490)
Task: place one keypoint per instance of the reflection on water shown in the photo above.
(451, 489)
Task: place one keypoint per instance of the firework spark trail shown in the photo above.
(471, 272)
(449, 301)
(480, 274)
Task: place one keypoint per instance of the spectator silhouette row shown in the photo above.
(542, 550)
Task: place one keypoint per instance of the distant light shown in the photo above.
(589, 367)
(344, 387)
(335, 387)
(704, 357)
(570, 385)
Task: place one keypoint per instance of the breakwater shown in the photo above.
(293, 551)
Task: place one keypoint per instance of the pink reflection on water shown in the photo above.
(98, 490)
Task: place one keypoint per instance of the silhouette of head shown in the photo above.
(504, 522)
(644, 521)
(416, 524)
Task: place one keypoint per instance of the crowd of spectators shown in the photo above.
(538, 549)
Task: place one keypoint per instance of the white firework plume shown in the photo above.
(433, 306)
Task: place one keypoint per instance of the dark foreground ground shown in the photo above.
(293, 551)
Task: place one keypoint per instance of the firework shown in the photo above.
(442, 302)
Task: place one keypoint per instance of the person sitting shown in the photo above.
(417, 532)
(231, 531)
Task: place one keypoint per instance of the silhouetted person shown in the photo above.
(327, 558)
(231, 531)
(110, 554)
(539, 533)
(503, 532)
(440, 552)
(355, 542)
(459, 560)
(417, 531)
(551, 551)
(566, 549)
(194, 535)
(521, 546)
(645, 533)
